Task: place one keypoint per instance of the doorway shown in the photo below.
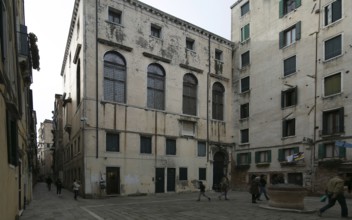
(112, 180)
(171, 179)
(159, 180)
(219, 169)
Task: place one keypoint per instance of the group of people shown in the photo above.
(224, 187)
(257, 188)
(75, 186)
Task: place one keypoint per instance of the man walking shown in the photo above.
(335, 192)
(202, 191)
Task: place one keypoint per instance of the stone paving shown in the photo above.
(46, 205)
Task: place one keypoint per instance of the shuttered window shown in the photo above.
(114, 77)
(189, 104)
(333, 47)
(146, 145)
(244, 111)
(333, 12)
(245, 84)
(245, 8)
(263, 156)
(329, 150)
(156, 87)
(170, 147)
(245, 33)
(332, 84)
(333, 121)
(290, 35)
(112, 142)
(245, 136)
(245, 59)
(286, 6)
(288, 127)
(243, 159)
(289, 66)
(218, 101)
(12, 139)
(289, 97)
(201, 149)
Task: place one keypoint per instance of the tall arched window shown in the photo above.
(114, 77)
(189, 105)
(156, 87)
(218, 101)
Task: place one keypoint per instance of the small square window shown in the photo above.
(114, 16)
(189, 44)
(170, 147)
(245, 33)
(146, 145)
(289, 97)
(245, 84)
(288, 127)
(245, 111)
(245, 8)
(245, 136)
(218, 54)
(202, 174)
(333, 47)
(155, 31)
(201, 149)
(332, 84)
(183, 173)
(289, 66)
(245, 59)
(332, 12)
(112, 142)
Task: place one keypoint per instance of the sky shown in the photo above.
(50, 20)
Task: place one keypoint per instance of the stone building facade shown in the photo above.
(45, 149)
(17, 117)
(147, 99)
(292, 94)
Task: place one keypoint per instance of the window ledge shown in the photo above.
(243, 144)
(332, 24)
(156, 38)
(113, 23)
(332, 95)
(245, 92)
(332, 59)
(289, 75)
(263, 164)
(287, 137)
(244, 119)
(245, 41)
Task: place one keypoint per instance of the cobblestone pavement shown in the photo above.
(46, 205)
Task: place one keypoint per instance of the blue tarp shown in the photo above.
(343, 144)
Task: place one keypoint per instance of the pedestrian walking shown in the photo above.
(335, 192)
(202, 191)
(48, 182)
(262, 188)
(58, 184)
(254, 188)
(76, 187)
(224, 187)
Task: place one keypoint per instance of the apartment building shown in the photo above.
(292, 96)
(45, 149)
(147, 101)
(17, 117)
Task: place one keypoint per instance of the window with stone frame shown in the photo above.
(333, 47)
(289, 97)
(329, 150)
(112, 142)
(156, 87)
(202, 150)
(243, 159)
(114, 16)
(155, 31)
(145, 145)
(189, 44)
(218, 101)
(286, 6)
(245, 59)
(170, 146)
(244, 136)
(332, 84)
(263, 156)
(333, 121)
(244, 111)
(183, 173)
(289, 127)
(245, 83)
(202, 173)
(245, 8)
(289, 66)
(245, 33)
(290, 35)
(189, 101)
(332, 12)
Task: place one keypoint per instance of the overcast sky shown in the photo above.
(50, 21)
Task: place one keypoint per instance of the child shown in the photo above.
(202, 191)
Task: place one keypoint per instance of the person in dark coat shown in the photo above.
(202, 191)
(254, 189)
(58, 184)
(262, 188)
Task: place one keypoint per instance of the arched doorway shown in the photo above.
(219, 168)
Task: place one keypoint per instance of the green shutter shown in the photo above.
(281, 9)
(298, 31)
(342, 119)
(295, 95)
(281, 39)
(281, 155)
(282, 99)
(321, 151)
(298, 3)
(249, 158)
(238, 159)
(342, 152)
(257, 157)
(284, 128)
(269, 156)
(296, 150)
(247, 31)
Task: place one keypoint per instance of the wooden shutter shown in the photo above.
(281, 155)
(281, 39)
(342, 152)
(298, 31)
(269, 156)
(257, 157)
(284, 128)
(321, 151)
(281, 9)
(296, 150)
(341, 118)
(238, 159)
(249, 158)
(295, 94)
(298, 3)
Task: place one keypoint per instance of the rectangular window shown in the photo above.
(333, 121)
(155, 31)
(329, 150)
(114, 16)
(263, 156)
(218, 54)
(244, 136)
(284, 153)
(243, 159)
(289, 97)
(286, 6)
(202, 174)
(170, 147)
(244, 111)
(183, 173)
(12, 139)
(112, 142)
(188, 128)
(189, 44)
(333, 47)
(245, 59)
(332, 12)
(202, 149)
(146, 145)
(288, 127)
(245, 8)
(245, 33)
(290, 35)
(332, 84)
(245, 84)
(289, 66)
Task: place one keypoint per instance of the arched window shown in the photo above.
(156, 87)
(189, 105)
(218, 101)
(114, 77)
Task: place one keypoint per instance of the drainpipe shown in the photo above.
(208, 81)
(96, 82)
